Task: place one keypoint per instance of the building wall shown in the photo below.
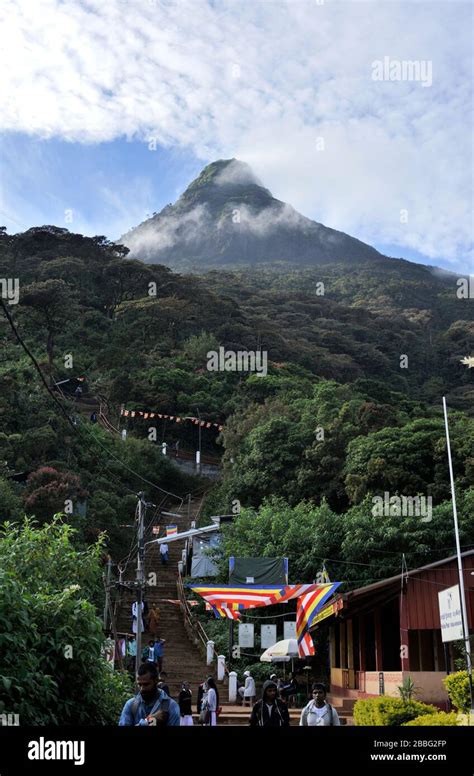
(429, 684)
(392, 680)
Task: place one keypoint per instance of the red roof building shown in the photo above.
(384, 632)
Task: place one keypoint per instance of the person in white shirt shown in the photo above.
(318, 712)
(248, 691)
(137, 622)
(211, 701)
(164, 553)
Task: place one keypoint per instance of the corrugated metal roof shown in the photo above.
(422, 594)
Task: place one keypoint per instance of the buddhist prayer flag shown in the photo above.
(231, 612)
(250, 595)
(263, 595)
(309, 605)
(145, 414)
(306, 648)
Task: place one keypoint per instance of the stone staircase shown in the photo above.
(182, 659)
(344, 707)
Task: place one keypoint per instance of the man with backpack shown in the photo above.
(318, 712)
(270, 711)
(151, 707)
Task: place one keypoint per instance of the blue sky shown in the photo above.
(110, 110)
(105, 188)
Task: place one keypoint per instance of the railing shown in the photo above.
(189, 454)
(192, 625)
(104, 420)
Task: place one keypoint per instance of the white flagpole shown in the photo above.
(465, 621)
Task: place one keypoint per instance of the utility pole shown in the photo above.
(107, 590)
(140, 574)
(198, 457)
(465, 621)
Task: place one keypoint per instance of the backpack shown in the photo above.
(306, 712)
(164, 707)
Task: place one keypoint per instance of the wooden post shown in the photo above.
(404, 646)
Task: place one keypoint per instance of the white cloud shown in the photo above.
(152, 237)
(262, 80)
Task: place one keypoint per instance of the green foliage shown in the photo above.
(10, 504)
(334, 423)
(407, 460)
(278, 530)
(457, 685)
(389, 712)
(407, 689)
(47, 491)
(438, 719)
(51, 669)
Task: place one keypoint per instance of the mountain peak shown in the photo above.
(227, 217)
(225, 177)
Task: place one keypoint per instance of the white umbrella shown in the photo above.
(281, 652)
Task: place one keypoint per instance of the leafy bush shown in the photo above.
(51, 668)
(457, 686)
(433, 720)
(388, 711)
(407, 689)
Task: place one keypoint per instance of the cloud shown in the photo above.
(269, 219)
(161, 234)
(237, 173)
(285, 85)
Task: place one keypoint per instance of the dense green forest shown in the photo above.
(358, 359)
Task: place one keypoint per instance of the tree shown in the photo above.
(51, 669)
(50, 305)
(47, 491)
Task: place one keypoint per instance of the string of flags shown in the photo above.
(171, 530)
(231, 611)
(145, 414)
(228, 601)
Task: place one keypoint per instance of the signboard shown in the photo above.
(246, 635)
(450, 614)
(327, 612)
(289, 629)
(268, 636)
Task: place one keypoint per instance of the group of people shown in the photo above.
(272, 709)
(149, 619)
(154, 653)
(153, 705)
(286, 690)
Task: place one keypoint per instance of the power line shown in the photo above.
(67, 416)
(129, 468)
(33, 360)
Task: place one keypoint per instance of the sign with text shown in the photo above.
(450, 614)
(327, 611)
(246, 635)
(289, 629)
(268, 636)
